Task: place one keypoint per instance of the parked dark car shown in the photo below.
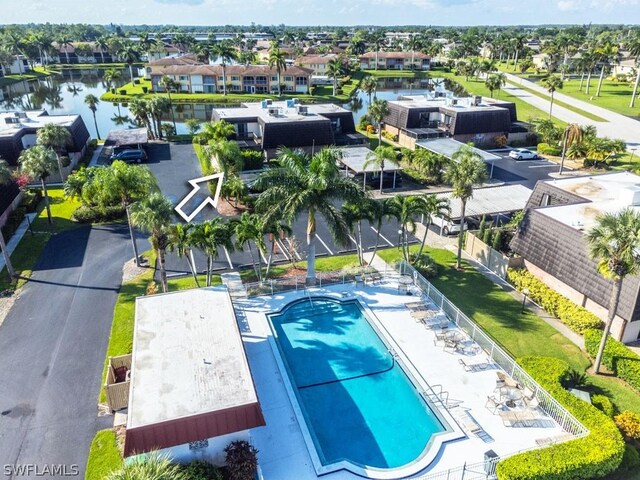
(373, 180)
(134, 155)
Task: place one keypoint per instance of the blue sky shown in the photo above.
(323, 12)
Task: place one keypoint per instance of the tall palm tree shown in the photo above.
(102, 43)
(92, 102)
(379, 157)
(277, 60)
(606, 53)
(57, 138)
(413, 43)
(379, 211)
(209, 236)
(181, 241)
(431, 206)
(405, 208)
(552, 83)
(378, 110)
(250, 229)
(354, 213)
(633, 45)
(308, 185)
(12, 41)
(129, 54)
(38, 162)
(572, 135)
(464, 171)
(226, 53)
(65, 41)
(518, 41)
(139, 109)
(111, 76)
(369, 85)
(334, 71)
(5, 177)
(275, 230)
(128, 184)
(614, 242)
(153, 216)
(169, 84)
(157, 106)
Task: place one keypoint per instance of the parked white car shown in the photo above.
(523, 154)
(448, 226)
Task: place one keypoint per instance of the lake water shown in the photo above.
(64, 94)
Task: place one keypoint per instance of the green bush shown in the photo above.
(546, 149)
(629, 425)
(85, 214)
(603, 404)
(425, 265)
(617, 357)
(487, 235)
(242, 460)
(252, 160)
(573, 316)
(30, 199)
(595, 455)
(201, 470)
(497, 240)
(630, 460)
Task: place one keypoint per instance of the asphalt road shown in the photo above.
(52, 349)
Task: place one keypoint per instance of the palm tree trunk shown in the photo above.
(279, 83)
(359, 245)
(463, 201)
(335, 85)
(380, 137)
(635, 88)
(192, 267)
(133, 238)
(588, 83)
(424, 237)
(95, 122)
(46, 199)
(131, 71)
(375, 246)
(515, 64)
(102, 56)
(253, 262)
(270, 258)
(581, 81)
(551, 105)
(311, 249)
(7, 257)
(613, 307)
(381, 175)
(209, 263)
(163, 271)
(224, 79)
(173, 117)
(600, 81)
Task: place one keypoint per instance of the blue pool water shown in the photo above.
(358, 403)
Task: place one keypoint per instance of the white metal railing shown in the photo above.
(547, 403)
(474, 471)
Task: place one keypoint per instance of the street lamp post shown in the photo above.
(525, 292)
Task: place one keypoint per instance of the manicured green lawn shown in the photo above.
(186, 283)
(104, 456)
(526, 112)
(499, 314)
(323, 264)
(61, 210)
(16, 78)
(560, 103)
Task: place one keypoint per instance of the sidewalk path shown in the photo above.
(616, 126)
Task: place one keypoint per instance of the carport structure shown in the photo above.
(353, 159)
(127, 138)
(490, 201)
(448, 146)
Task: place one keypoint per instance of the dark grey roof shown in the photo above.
(128, 136)
(297, 134)
(478, 121)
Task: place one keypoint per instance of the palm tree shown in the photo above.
(405, 208)
(181, 241)
(413, 44)
(140, 111)
(633, 46)
(354, 213)
(308, 185)
(275, 230)
(552, 83)
(5, 177)
(495, 82)
(152, 466)
(277, 60)
(378, 158)
(64, 41)
(92, 102)
(210, 235)
(517, 40)
(129, 184)
(606, 54)
(12, 41)
(169, 84)
(431, 205)
(226, 53)
(250, 229)
(572, 134)
(38, 162)
(379, 211)
(129, 54)
(157, 106)
(334, 70)
(378, 110)
(614, 242)
(57, 138)
(465, 170)
(112, 76)
(102, 43)
(369, 85)
(153, 215)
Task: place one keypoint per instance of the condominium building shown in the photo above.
(395, 61)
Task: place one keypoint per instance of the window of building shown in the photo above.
(235, 78)
(183, 78)
(288, 78)
(221, 79)
(274, 78)
(301, 80)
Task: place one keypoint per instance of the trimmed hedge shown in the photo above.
(595, 455)
(617, 357)
(84, 214)
(546, 149)
(573, 316)
(252, 160)
(603, 404)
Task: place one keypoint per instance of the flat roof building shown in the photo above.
(191, 388)
(271, 125)
(551, 239)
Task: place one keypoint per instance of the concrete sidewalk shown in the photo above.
(12, 244)
(615, 126)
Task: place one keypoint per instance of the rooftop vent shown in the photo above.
(303, 110)
(273, 111)
(12, 120)
(630, 195)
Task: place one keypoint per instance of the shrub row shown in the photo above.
(617, 357)
(84, 214)
(252, 160)
(595, 455)
(602, 403)
(575, 317)
(546, 149)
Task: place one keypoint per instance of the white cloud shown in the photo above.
(568, 5)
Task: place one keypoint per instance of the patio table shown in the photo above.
(510, 396)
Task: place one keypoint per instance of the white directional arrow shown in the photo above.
(207, 201)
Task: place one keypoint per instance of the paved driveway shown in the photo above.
(52, 348)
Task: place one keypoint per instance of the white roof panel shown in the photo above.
(491, 200)
(448, 146)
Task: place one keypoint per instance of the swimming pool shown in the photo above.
(359, 405)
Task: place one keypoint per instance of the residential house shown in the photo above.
(196, 77)
(263, 53)
(552, 241)
(81, 52)
(628, 67)
(472, 119)
(395, 61)
(19, 65)
(317, 63)
(191, 390)
(269, 125)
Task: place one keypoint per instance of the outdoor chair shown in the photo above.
(505, 380)
(450, 345)
(546, 441)
(473, 366)
(531, 403)
(524, 418)
(493, 404)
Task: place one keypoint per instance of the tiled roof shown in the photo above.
(188, 59)
(416, 55)
(230, 70)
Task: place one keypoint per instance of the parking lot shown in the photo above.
(525, 172)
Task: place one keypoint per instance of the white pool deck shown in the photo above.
(283, 453)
